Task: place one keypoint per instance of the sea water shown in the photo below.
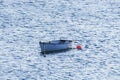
(93, 24)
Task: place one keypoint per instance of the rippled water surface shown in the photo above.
(94, 23)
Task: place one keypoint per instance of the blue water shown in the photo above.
(94, 23)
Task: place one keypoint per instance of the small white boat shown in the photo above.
(55, 45)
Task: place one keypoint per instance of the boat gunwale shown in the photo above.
(50, 42)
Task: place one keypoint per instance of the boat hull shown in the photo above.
(55, 46)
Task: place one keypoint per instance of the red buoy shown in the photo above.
(78, 47)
